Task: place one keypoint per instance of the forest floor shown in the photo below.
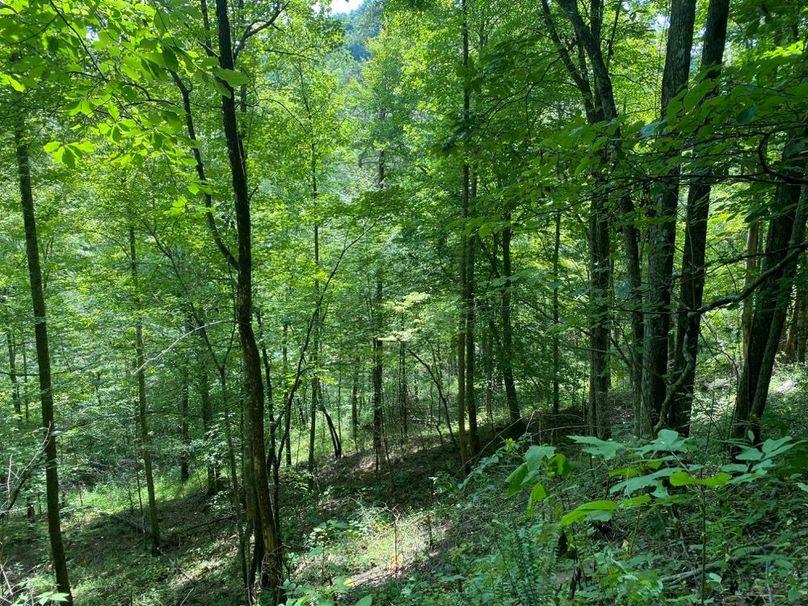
(406, 534)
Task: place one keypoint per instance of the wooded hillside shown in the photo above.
(427, 302)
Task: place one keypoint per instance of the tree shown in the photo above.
(58, 557)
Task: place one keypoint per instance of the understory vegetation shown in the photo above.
(403, 302)
(414, 533)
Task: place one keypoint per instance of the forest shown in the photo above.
(403, 302)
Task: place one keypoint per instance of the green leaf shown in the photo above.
(772, 448)
(683, 478)
(635, 501)
(536, 454)
(599, 448)
(747, 115)
(667, 441)
(536, 495)
(559, 466)
(365, 601)
(12, 82)
(515, 479)
(597, 510)
(232, 77)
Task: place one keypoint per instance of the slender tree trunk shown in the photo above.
(287, 411)
(254, 387)
(207, 419)
(801, 321)
(600, 105)
(556, 323)
(599, 372)
(471, 321)
(691, 293)
(662, 233)
(185, 437)
(12, 372)
(752, 271)
(43, 360)
(786, 231)
(143, 420)
(376, 378)
(506, 359)
(488, 362)
(355, 404)
(402, 388)
(316, 394)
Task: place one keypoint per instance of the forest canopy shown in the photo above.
(403, 302)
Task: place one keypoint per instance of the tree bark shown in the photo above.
(506, 359)
(662, 233)
(43, 360)
(185, 437)
(691, 295)
(355, 404)
(12, 372)
(786, 230)
(752, 271)
(600, 269)
(556, 324)
(143, 420)
(207, 419)
(254, 387)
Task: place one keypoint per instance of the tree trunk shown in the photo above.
(43, 360)
(786, 231)
(287, 409)
(402, 388)
(662, 233)
(185, 437)
(143, 420)
(471, 320)
(207, 418)
(12, 372)
(355, 404)
(691, 293)
(376, 374)
(556, 324)
(506, 359)
(599, 372)
(488, 362)
(600, 106)
(254, 388)
(752, 271)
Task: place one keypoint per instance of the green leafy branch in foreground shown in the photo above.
(653, 467)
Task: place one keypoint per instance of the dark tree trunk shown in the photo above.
(600, 106)
(43, 361)
(600, 269)
(506, 358)
(662, 233)
(355, 404)
(786, 232)
(691, 293)
(254, 388)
